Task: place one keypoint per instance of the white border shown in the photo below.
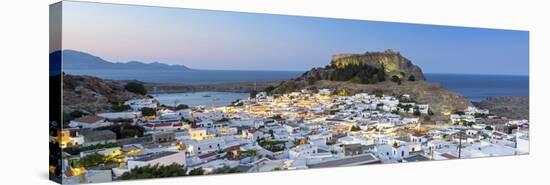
(24, 42)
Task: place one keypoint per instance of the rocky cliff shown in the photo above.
(390, 61)
(92, 94)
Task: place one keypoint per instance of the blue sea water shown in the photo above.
(207, 99)
(478, 87)
(473, 87)
(190, 76)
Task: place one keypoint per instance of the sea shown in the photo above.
(478, 87)
(474, 87)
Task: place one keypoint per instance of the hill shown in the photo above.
(513, 107)
(77, 60)
(92, 95)
(377, 72)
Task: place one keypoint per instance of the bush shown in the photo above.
(360, 73)
(197, 171)
(396, 79)
(416, 112)
(412, 78)
(135, 87)
(182, 106)
(146, 111)
(156, 171)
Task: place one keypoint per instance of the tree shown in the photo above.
(136, 87)
(197, 171)
(272, 134)
(416, 112)
(182, 106)
(146, 111)
(488, 127)
(396, 79)
(253, 94)
(412, 78)
(430, 112)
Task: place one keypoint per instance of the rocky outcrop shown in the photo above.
(441, 100)
(390, 61)
(92, 94)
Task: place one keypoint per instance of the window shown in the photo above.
(402, 153)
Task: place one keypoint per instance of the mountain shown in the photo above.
(384, 72)
(77, 60)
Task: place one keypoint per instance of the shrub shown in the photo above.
(156, 171)
(182, 106)
(135, 87)
(146, 111)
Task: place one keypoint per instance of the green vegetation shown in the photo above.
(430, 112)
(355, 128)
(125, 130)
(75, 150)
(146, 111)
(274, 146)
(488, 128)
(182, 106)
(67, 117)
(481, 115)
(121, 121)
(416, 112)
(136, 87)
(156, 171)
(226, 169)
(196, 171)
(93, 160)
(237, 103)
(357, 72)
(405, 107)
(412, 78)
(253, 94)
(268, 89)
(396, 79)
(248, 153)
(469, 124)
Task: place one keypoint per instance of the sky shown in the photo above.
(203, 39)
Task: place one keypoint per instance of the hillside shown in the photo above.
(91, 94)
(514, 107)
(387, 72)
